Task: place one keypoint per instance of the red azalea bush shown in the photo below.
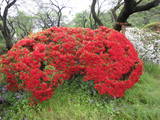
(41, 62)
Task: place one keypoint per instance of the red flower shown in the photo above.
(41, 63)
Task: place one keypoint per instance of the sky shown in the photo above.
(73, 6)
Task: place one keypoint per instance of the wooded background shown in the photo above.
(15, 24)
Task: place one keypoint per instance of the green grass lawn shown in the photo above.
(71, 102)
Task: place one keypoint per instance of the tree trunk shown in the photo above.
(122, 19)
(95, 17)
(126, 11)
(7, 35)
(8, 40)
(130, 7)
(59, 19)
(6, 32)
(113, 15)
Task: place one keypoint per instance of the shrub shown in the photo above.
(41, 62)
(155, 26)
(146, 43)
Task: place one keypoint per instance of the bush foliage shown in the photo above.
(41, 62)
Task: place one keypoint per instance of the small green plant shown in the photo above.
(73, 102)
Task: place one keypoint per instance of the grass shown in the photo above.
(2, 44)
(70, 102)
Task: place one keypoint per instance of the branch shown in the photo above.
(113, 10)
(0, 9)
(7, 7)
(52, 21)
(55, 4)
(5, 13)
(59, 11)
(119, 4)
(12, 30)
(139, 2)
(147, 6)
(94, 13)
(129, 4)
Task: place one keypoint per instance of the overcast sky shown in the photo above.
(74, 6)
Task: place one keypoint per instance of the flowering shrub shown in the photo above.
(41, 62)
(146, 43)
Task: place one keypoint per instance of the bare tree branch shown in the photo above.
(114, 9)
(130, 7)
(138, 2)
(95, 17)
(50, 14)
(58, 11)
(146, 6)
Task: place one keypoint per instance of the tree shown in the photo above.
(50, 13)
(94, 14)
(83, 19)
(23, 24)
(127, 8)
(58, 10)
(114, 10)
(130, 7)
(146, 17)
(45, 19)
(6, 27)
